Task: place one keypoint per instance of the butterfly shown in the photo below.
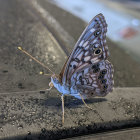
(87, 72)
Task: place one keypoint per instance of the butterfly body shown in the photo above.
(65, 89)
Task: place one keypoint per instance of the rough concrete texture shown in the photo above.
(37, 115)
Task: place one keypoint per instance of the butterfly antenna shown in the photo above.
(20, 48)
(42, 73)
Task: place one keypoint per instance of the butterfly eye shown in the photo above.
(56, 80)
(97, 32)
(97, 51)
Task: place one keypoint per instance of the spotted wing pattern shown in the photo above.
(96, 80)
(90, 49)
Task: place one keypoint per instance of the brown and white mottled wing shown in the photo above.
(90, 48)
(96, 80)
(87, 68)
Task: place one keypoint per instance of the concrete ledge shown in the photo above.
(37, 114)
(132, 134)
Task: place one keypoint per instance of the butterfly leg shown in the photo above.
(84, 102)
(51, 86)
(62, 98)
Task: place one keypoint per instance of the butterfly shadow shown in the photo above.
(52, 101)
(71, 102)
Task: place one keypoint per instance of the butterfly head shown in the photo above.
(55, 79)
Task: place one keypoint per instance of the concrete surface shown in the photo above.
(118, 20)
(27, 113)
(35, 114)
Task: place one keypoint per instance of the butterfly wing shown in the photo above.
(90, 48)
(96, 80)
(90, 51)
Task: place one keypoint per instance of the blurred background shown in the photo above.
(123, 18)
(123, 34)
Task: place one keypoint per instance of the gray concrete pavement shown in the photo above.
(35, 115)
(27, 113)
